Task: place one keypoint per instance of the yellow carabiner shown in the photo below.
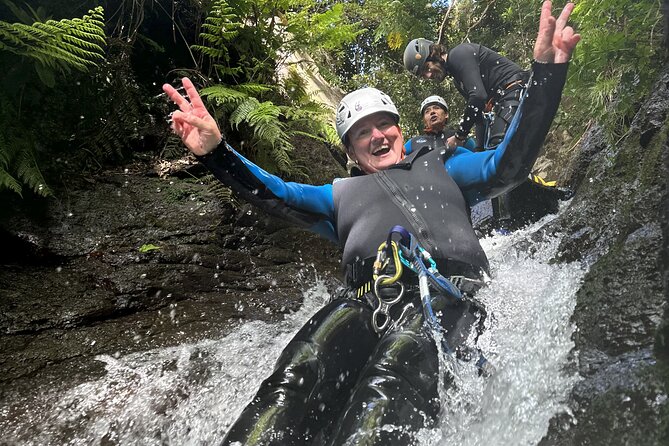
(381, 263)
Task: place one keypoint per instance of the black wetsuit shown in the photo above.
(339, 380)
(480, 75)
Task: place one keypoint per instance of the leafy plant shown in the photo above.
(53, 48)
(245, 44)
(57, 46)
(616, 61)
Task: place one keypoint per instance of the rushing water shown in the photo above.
(190, 394)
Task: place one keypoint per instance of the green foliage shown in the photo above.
(116, 110)
(219, 28)
(57, 46)
(616, 61)
(53, 48)
(18, 166)
(245, 43)
(148, 247)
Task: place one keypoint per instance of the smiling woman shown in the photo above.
(374, 139)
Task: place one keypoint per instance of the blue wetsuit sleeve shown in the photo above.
(305, 205)
(407, 146)
(487, 174)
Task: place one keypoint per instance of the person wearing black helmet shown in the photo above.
(488, 81)
(434, 111)
(492, 86)
(365, 368)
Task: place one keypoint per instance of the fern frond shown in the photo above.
(223, 95)
(213, 53)
(218, 29)
(331, 135)
(9, 182)
(224, 193)
(253, 89)
(29, 173)
(281, 157)
(58, 45)
(242, 111)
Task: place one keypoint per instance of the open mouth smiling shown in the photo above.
(382, 150)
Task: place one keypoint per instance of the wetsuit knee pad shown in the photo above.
(397, 393)
(337, 340)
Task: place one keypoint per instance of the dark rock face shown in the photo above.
(130, 261)
(617, 224)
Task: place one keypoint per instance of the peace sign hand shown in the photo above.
(192, 122)
(555, 41)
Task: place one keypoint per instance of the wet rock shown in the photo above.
(131, 261)
(617, 224)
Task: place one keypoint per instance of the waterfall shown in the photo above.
(190, 394)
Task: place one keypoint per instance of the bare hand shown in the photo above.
(555, 41)
(453, 142)
(192, 122)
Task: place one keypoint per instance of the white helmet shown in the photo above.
(362, 103)
(430, 100)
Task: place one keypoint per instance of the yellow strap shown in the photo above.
(537, 179)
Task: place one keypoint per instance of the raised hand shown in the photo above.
(555, 41)
(192, 122)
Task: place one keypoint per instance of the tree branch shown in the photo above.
(443, 22)
(480, 18)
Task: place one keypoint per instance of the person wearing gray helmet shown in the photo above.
(493, 86)
(488, 81)
(365, 368)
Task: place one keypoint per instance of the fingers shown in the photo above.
(564, 16)
(176, 97)
(543, 51)
(193, 95)
(545, 15)
(180, 118)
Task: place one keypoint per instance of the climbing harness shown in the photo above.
(386, 289)
(489, 114)
(407, 253)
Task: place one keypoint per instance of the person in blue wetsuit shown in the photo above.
(346, 377)
(434, 111)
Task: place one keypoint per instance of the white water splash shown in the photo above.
(190, 394)
(527, 339)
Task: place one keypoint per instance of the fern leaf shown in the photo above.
(219, 28)
(242, 111)
(224, 95)
(252, 89)
(27, 170)
(9, 182)
(60, 44)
